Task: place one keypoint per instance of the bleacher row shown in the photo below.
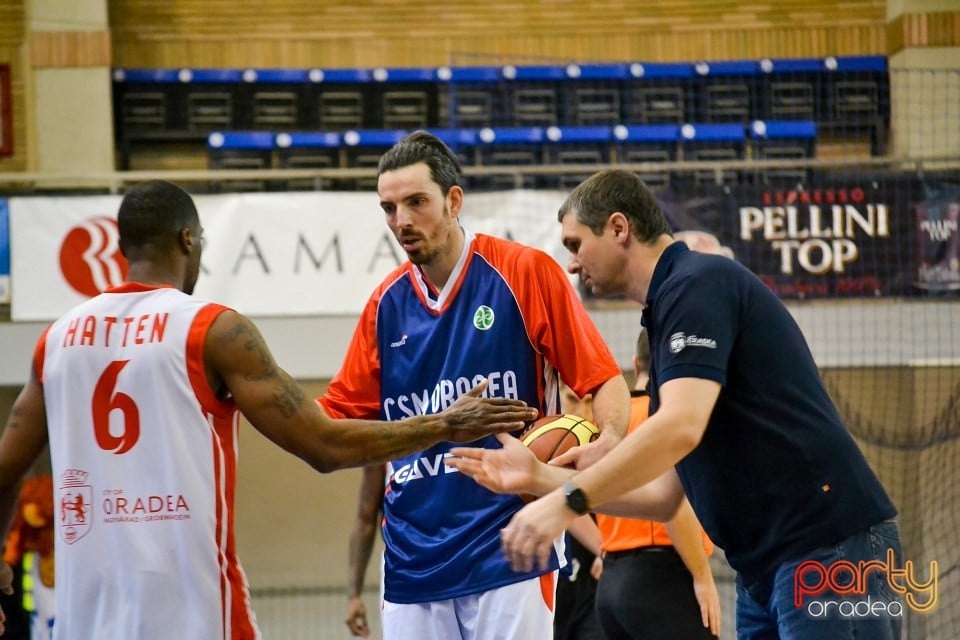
(587, 103)
(529, 146)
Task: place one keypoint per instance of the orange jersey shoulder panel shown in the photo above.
(557, 322)
(354, 391)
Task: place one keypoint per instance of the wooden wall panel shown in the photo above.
(11, 22)
(12, 28)
(298, 33)
(70, 49)
(936, 29)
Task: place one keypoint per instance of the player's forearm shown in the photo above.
(361, 548)
(547, 477)
(687, 539)
(649, 502)
(611, 408)
(354, 443)
(643, 456)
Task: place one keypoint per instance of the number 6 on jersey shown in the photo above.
(105, 400)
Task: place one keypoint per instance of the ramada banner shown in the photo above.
(266, 254)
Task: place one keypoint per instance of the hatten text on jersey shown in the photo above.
(91, 331)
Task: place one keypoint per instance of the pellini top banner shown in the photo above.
(831, 239)
(266, 254)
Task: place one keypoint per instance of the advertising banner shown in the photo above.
(302, 254)
(938, 240)
(843, 239)
(266, 254)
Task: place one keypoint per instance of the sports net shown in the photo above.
(864, 249)
(855, 226)
(835, 181)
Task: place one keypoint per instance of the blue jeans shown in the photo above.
(768, 609)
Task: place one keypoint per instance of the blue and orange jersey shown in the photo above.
(508, 314)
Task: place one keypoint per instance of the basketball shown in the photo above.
(550, 436)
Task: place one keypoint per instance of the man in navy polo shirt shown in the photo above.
(740, 421)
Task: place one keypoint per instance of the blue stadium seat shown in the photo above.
(472, 97)
(308, 150)
(783, 140)
(712, 142)
(576, 145)
(592, 94)
(846, 96)
(506, 146)
(857, 99)
(406, 98)
(727, 91)
(791, 89)
(363, 150)
(270, 99)
(533, 94)
(241, 150)
(649, 143)
(659, 93)
(463, 142)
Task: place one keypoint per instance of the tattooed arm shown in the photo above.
(239, 362)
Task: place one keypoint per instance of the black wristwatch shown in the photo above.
(575, 497)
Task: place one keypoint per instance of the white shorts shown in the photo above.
(519, 611)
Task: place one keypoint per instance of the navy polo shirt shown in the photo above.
(776, 473)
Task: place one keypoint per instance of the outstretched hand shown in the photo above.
(528, 540)
(511, 469)
(472, 417)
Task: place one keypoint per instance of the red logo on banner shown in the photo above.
(90, 257)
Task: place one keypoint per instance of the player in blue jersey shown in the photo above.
(740, 420)
(464, 306)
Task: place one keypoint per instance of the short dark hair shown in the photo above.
(612, 190)
(422, 146)
(153, 214)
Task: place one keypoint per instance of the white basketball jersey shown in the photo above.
(144, 461)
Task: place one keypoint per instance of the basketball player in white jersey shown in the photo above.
(138, 391)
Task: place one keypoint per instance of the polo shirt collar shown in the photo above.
(664, 267)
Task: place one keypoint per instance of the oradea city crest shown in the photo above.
(75, 505)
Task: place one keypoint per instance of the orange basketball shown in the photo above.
(550, 436)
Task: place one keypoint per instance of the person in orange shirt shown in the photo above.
(648, 568)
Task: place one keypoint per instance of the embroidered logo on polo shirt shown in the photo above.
(483, 317)
(680, 341)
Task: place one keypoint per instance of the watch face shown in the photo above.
(576, 499)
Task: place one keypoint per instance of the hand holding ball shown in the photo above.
(550, 436)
